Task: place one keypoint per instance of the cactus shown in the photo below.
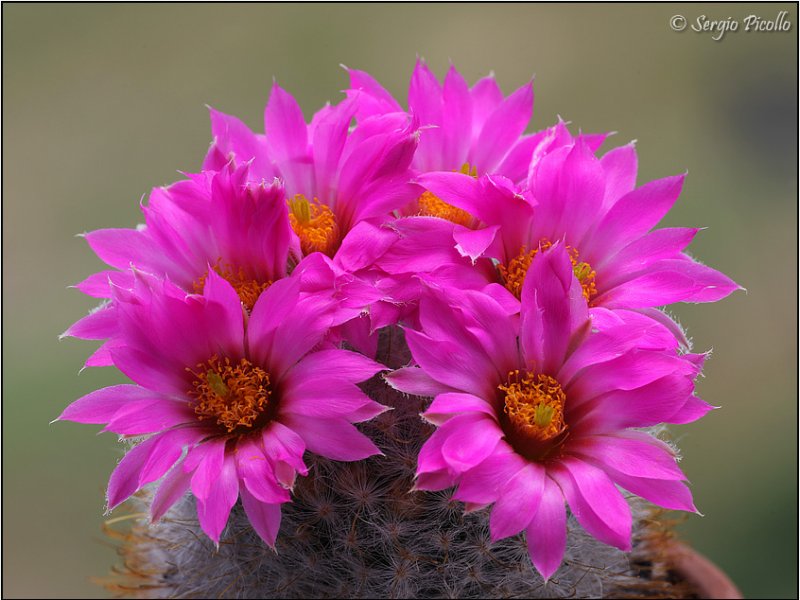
(356, 530)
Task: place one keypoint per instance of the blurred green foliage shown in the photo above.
(102, 102)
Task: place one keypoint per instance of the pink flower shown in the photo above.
(335, 178)
(213, 221)
(469, 130)
(477, 126)
(430, 246)
(593, 206)
(538, 409)
(229, 402)
(241, 228)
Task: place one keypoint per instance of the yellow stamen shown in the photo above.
(233, 394)
(431, 205)
(315, 225)
(467, 169)
(249, 289)
(534, 407)
(514, 273)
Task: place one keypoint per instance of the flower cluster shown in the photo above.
(524, 269)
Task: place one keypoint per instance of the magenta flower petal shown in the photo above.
(430, 457)
(97, 284)
(120, 247)
(265, 518)
(147, 462)
(491, 199)
(645, 406)
(284, 445)
(652, 329)
(376, 100)
(503, 127)
(486, 97)
(213, 510)
(423, 245)
(553, 312)
(287, 139)
(601, 347)
(148, 371)
(377, 176)
(472, 243)
(340, 364)
(363, 246)
(547, 531)
(170, 490)
(225, 311)
(628, 372)
(457, 103)
(469, 444)
(670, 281)
(256, 474)
(595, 502)
(451, 364)
(415, 381)
(620, 165)
(482, 317)
(632, 216)
(152, 415)
(166, 331)
(447, 405)
(517, 162)
(325, 398)
(425, 103)
(633, 453)
(101, 357)
(99, 406)
(670, 494)
(518, 502)
(693, 409)
(100, 324)
(329, 130)
(645, 251)
(433, 482)
(279, 332)
(234, 138)
(332, 438)
(483, 483)
(206, 460)
(569, 188)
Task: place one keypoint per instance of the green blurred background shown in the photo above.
(103, 102)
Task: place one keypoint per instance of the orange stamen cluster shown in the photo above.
(431, 205)
(248, 289)
(315, 225)
(235, 395)
(514, 273)
(534, 405)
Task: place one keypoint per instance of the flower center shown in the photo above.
(315, 225)
(248, 289)
(513, 274)
(431, 205)
(235, 395)
(533, 413)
